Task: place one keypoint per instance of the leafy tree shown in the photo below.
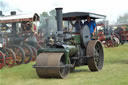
(123, 19)
(48, 22)
(43, 18)
(45, 14)
(52, 12)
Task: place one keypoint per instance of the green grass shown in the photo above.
(115, 72)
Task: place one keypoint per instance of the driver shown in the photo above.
(78, 24)
(91, 24)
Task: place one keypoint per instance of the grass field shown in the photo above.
(115, 72)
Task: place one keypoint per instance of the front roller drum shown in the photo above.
(96, 55)
(51, 65)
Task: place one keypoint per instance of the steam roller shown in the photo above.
(67, 50)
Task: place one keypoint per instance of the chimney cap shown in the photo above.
(13, 12)
(58, 8)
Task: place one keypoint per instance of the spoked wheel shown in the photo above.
(2, 59)
(28, 53)
(34, 50)
(10, 57)
(96, 55)
(19, 52)
(51, 65)
(38, 47)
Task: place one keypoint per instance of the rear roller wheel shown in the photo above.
(10, 58)
(51, 65)
(96, 55)
(2, 59)
(19, 52)
(28, 53)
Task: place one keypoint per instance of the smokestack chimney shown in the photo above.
(59, 17)
(1, 13)
(13, 12)
(13, 24)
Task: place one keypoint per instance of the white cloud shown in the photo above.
(111, 8)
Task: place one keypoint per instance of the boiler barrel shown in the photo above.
(72, 49)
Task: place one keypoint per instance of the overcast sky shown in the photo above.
(111, 8)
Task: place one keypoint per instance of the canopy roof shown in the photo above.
(19, 18)
(82, 15)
